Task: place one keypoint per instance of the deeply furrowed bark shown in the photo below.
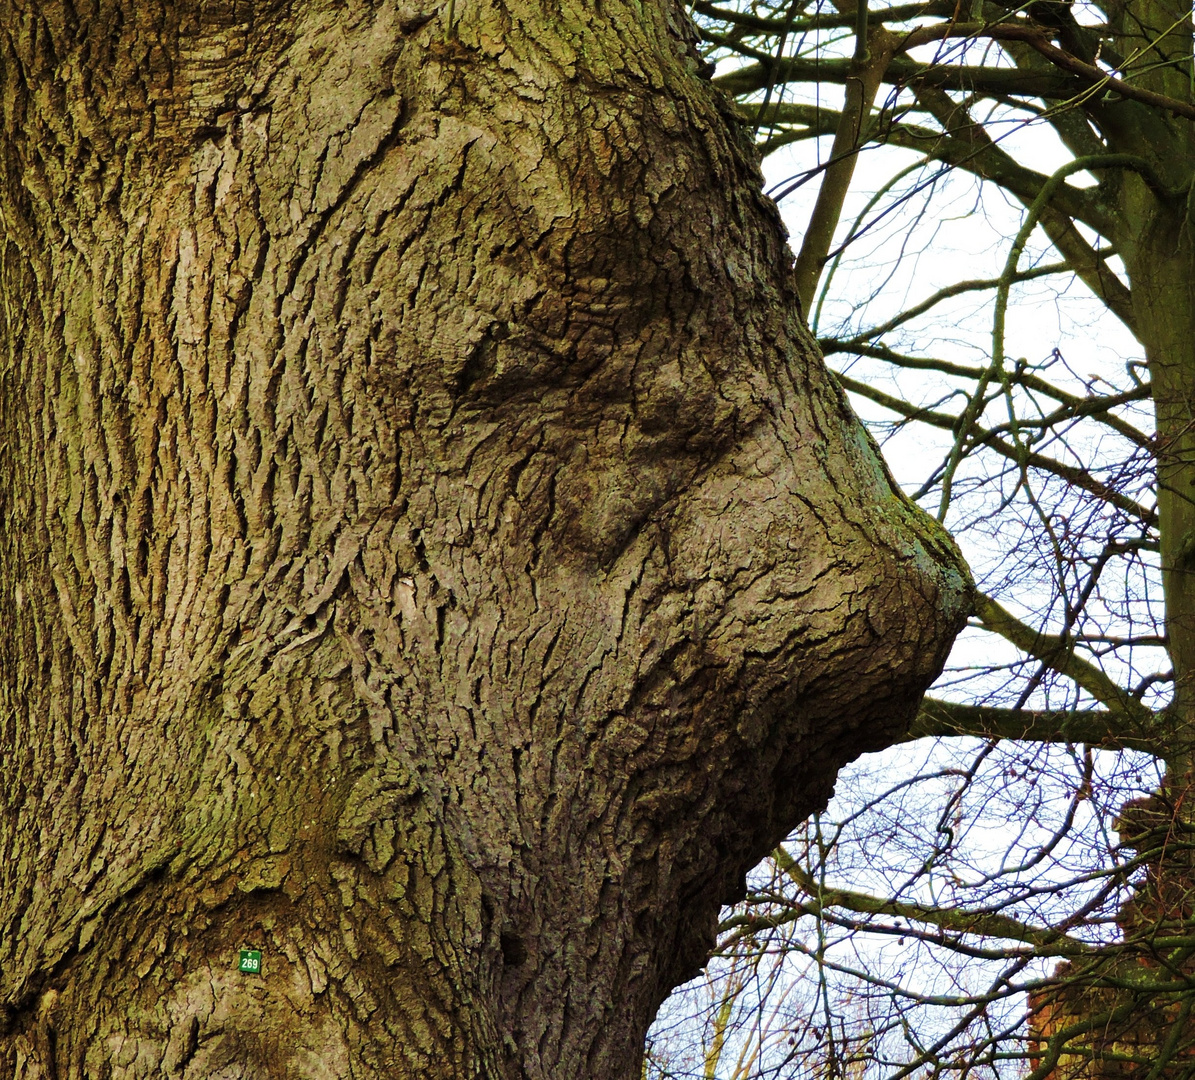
(433, 552)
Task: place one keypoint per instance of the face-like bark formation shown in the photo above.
(433, 553)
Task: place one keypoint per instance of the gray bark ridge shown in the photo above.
(435, 554)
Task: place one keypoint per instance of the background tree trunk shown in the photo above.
(433, 552)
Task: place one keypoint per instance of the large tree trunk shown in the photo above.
(433, 553)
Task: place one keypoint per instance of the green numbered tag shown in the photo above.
(250, 960)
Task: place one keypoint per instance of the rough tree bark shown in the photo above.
(433, 552)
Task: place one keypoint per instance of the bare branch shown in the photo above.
(1097, 76)
(957, 289)
(871, 58)
(1057, 653)
(1072, 474)
(1095, 727)
(899, 14)
(984, 80)
(1066, 202)
(1004, 82)
(1047, 942)
(1097, 406)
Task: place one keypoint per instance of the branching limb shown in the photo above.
(1058, 216)
(1057, 653)
(958, 146)
(1096, 406)
(902, 71)
(988, 79)
(969, 147)
(757, 24)
(957, 289)
(1049, 942)
(1095, 727)
(1097, 76)
(1072, 474)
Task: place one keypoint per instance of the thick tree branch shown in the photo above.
(817, 120)
(902, 71)
(1096, 727)
(943, 146)
(859, 347)
(1097, 407)
(969, 146)
(756, 23)
(988, 162)
(965, 143)
(1038, 38)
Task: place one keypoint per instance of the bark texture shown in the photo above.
(433, 552)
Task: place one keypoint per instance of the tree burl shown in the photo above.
(434, 553)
